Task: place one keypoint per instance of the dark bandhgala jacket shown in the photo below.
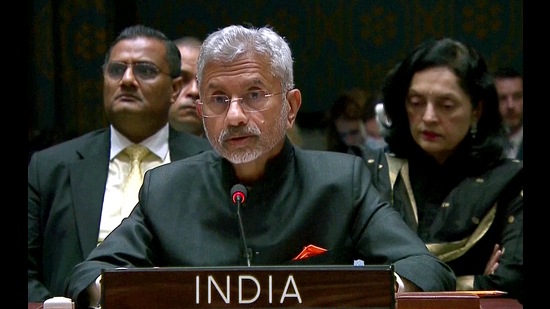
(186, 217)
(66, 185)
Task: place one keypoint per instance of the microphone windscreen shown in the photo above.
(238, 190)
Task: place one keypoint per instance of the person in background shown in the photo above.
(351, 121)
(75, 187)
(445, 170)
(344, 121)
(509, 83)
(183, 114)
(248, 102)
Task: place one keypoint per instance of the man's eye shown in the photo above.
(253, 95)
(146, 70)
(117, 69)
(219, 99)
(414, 101)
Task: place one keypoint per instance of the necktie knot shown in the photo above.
(136, 152)
(135, 176)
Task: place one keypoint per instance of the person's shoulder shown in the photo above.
(375, 158)
(368, 153)
(505, 171)
(508, 166)
(51, 158)
(186, 140)
(200, 161)
(321, 157)
(94, 137)
(322, 153)
(187, 168)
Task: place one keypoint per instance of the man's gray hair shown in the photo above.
(229, 43)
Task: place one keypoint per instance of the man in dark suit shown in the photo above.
(183, 114)
(509, 84)
(75, 188)
(296, 198)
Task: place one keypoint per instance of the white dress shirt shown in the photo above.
(111, 215)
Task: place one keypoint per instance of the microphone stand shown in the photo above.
(247, 250)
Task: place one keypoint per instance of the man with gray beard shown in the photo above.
(295, 197)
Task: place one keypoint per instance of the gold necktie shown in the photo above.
(135, 177)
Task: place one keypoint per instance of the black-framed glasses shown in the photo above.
(251, 101)
(141, 70)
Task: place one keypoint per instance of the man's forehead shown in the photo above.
(139, 47)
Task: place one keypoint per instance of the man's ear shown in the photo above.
(177, 87)
(294, 99)
(198, 107)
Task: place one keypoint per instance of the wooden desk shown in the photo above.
(440, 300)
(500, 303)
(486, 303)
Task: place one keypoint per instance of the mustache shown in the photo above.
(239, 131)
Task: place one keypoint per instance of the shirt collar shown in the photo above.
(156, 143)
(516, 138)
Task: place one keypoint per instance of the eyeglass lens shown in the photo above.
(141, 70)
(251, 101)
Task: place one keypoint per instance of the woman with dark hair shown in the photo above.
(444, 169)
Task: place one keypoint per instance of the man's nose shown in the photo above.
(193, 89)
(235, 112)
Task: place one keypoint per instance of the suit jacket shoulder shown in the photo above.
(95, 143)
(184, 144)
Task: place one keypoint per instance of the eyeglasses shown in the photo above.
(141, 70)
(252, 101)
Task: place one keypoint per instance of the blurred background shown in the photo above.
(336, 45)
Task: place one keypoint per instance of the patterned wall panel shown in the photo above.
(336, 44)
(69, 44)
(342, 44)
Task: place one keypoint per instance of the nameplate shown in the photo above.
(369, 286)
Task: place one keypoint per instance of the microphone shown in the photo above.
(238, 196)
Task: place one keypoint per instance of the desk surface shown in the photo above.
(486, 303)
(500, 303)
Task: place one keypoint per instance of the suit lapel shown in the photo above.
(88, 177)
